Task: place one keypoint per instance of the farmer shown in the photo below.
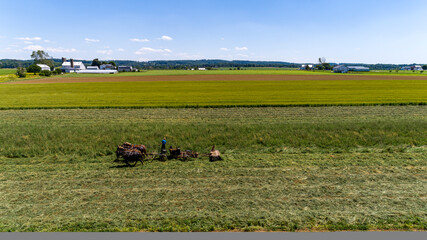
(163, 150)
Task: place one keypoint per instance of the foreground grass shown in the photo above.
(213, 93)
(329, 168)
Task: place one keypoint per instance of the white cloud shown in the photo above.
(146, 50)
(46, 41)
(106, 52)
(29, 38)
(166, 38)
(61, 50)
(139, 40)
(120, 50)
(91, 40)
(28, 42)
(224, 49)
(242, 55)
(34, 47)
(241, 48)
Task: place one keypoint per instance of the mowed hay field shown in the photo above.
(285, 169)
(236, 91)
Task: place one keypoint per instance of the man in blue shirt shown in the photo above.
(163, 150)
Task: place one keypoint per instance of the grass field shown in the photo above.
(213, 93)
(248, 71)
(285, 169)
(291, 169)
(6, 71)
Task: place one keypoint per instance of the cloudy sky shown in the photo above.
(296, 31)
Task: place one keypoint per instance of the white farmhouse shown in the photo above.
(72, 66)
(44, 67)
(418, 68)
(107, 66)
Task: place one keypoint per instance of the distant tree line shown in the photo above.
(188, 64)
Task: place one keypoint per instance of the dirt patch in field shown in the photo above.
(217, 78)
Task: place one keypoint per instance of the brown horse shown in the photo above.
(130, 155)
(140, 147)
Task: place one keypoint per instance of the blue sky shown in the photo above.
(294, 31)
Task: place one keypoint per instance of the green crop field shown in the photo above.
(247, 71)
(6, 71)
(213, 93)
(290, 169)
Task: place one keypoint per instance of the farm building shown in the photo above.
(358, 69)
(304, 66)
(125, 69)
(97, 71)
(414, 67)
(345, 69)
(340, 69)
(92, 68)
(44, 67)
(107, 67)
(418, 68)
(72, 66)
(201, 69)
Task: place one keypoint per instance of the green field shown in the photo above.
(6, 71)
(213, 93)
(291, 169)
(335, 166)
(248, 71)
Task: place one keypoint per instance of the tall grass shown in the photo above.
(97, 132)
(291, 169)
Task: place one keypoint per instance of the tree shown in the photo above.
(34, 69)
(41, 57)
(20, 71)
(57, 71)
(113, 63)
(327, 66)
(424, 67)
(45, 73)
(96, 62)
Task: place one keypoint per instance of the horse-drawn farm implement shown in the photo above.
(131, 154)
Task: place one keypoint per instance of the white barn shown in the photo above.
(340, 69)
(72, 66)
(44, 67)
(345, 69)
